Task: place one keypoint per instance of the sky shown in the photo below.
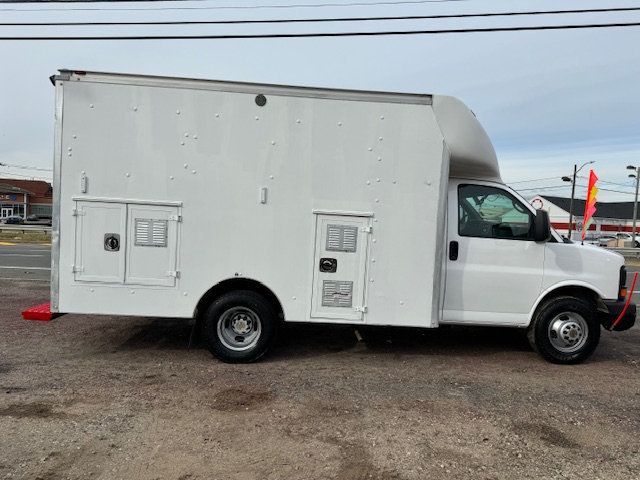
(548, 99)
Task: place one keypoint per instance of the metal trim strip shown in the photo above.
(126, 200)
(244, 87)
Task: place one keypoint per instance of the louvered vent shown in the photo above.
(150, 232)
(337, 293)
(342, 238)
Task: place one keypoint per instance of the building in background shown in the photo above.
(610, 217)
(25, 197)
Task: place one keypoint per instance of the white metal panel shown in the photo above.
(151, 252)
(214, 151)
(93, 262)
(340, 294)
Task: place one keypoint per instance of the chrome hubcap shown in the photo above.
(568, 332)
(239, 328)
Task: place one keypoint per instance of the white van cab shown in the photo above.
(247, 205)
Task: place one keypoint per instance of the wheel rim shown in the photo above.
(239, 328)
(568, 332)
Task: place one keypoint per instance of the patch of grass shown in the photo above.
(26, 237)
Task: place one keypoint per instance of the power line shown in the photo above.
(325, 34)
(533, 180)
(567, 186)
(235, 7)
(333, 19)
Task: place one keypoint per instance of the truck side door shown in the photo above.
(494, 267)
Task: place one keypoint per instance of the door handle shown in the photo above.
(453, 250)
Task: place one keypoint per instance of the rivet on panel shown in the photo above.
(186, 165)
(256, 118)
(186, 134)
(273, 142)
(177, 112)
(375, 220)
(379, 159)
(75, 136)
(194, 171)
(371, 280)
(374, 240)
(339, 124)
(171, 177)
(184, 294)
(132, 292)
(135, 109)
(271, 177)
(401, 302)
(377, 200)
(368, 182)
(297, 120)
(293, 298)
(195, 137)
(394, 182)
(370, 149)
(91, 105)
(182, 143)
(381, 117)
(378, 180)
(373, 260)
(127, 174)
(69, 153)
(428, 182)
(217, 115)
(92, 290)
(69, 148)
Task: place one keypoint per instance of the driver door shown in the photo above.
(494, 267)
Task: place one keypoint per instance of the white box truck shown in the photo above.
(246, 205)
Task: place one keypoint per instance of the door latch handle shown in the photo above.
(453, 250)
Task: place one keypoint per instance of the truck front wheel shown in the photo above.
(565, 330)
(239, 326)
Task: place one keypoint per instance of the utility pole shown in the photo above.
(573, 191)
(635, 175)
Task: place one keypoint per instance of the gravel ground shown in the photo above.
(124, 398)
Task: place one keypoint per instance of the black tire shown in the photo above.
(636, 244)
(565, 309)
(249, 308)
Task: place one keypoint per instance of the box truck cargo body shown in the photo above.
(246, 205)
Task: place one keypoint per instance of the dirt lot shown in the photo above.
(117, 398)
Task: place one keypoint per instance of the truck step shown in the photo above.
(40, 312)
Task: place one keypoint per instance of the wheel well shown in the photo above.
(571, 291)
(238, 284)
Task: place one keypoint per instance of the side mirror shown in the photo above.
(541, 226)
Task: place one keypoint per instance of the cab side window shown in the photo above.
(490, 212)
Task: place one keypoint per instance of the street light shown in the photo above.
(635, 175)
(573, 191)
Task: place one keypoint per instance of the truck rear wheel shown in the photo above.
(239, 326)
(564, 330)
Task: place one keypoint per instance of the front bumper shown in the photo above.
(614, 308)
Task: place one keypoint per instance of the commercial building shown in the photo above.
(610, 217)
(25, 197)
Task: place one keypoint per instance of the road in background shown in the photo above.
(23, 261)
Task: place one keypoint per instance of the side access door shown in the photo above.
(494, 268)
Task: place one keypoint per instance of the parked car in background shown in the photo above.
(39, 219)
(604, 240)
(14, 219)
(627, 237)
(592, 240)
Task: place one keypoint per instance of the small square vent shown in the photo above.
(150, 232)
(342, 238)
(336, 293)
